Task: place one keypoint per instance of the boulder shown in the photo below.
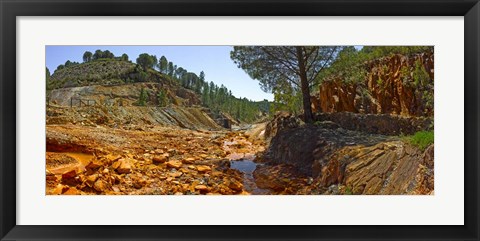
(123, 165)
(70, 174)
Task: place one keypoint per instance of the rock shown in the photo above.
(100, 186)
(159, 159)
(428, 157)
(51, 178)
(110, 158)
(201, 187)
(172, 152)
(137, 185)
(235, 185)
(276, 178)
(313, 146)
(70, 174)
(327, 124)
(174, 164)
(123, 166)
(72, 191)
(90, 180)
(385, 90)
(203, 168)
(93, 165)
(386, 168)
(281, 121)
(189, 160)
(175, 174)
(116, 189)
(384, 124)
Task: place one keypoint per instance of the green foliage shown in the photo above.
(418, 78)
(348, 190)
(142, 98)
(147, 61)
(349, 64)
(124, 57)
(47, 73)
(170, 69)
(379, 81)
(60, 67)
(421, 139)
(286, 98)
(69, 63)
(87, 56)
(375, 52)
(162, 98)
(298, 66)
(346, 66)
(163, 65)
(99, 54)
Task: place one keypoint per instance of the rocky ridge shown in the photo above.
(389, 87)
(328, 159)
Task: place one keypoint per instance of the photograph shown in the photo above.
(239, 120)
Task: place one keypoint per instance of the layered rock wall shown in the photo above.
(389, 87)
(383, 124)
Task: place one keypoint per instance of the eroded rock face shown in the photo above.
(385, 90)
(308, 147)
(281, 121)
(383, 124)
(386, 168)
(347, 162)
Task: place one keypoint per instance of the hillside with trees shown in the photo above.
(104, 68)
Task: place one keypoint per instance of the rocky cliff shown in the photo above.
(117, 105)
(341, 161)
(396, 84)
(122, 95)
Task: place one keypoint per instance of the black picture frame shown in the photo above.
(10, 9)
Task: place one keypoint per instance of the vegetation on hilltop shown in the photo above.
(104, 68)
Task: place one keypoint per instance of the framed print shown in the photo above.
(239, 120)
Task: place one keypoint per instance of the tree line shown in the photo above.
(217, 98)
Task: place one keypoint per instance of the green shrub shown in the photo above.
(162, 98)
(142, 98)
(348, 191)
(421, 139)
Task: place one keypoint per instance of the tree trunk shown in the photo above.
(307, 106)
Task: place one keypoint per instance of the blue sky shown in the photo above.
(213, 60)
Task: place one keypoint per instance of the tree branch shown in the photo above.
(323, 66)
(284, 63)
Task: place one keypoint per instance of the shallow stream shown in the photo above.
(247, 167)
